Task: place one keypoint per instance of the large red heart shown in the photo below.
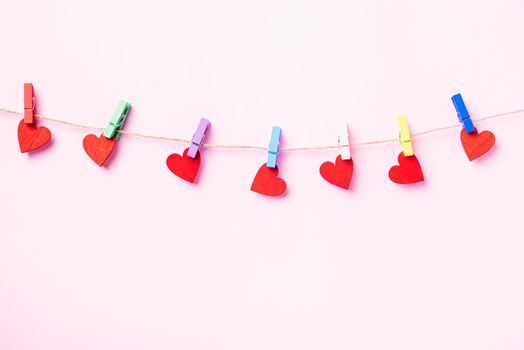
(184, 166)
(266, 182)
(31, 137)
(338, 173)
(407, 172)
(99, 148)
(476, 144)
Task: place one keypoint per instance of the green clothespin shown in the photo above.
(117, 121)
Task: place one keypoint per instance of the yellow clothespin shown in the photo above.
(405, 136)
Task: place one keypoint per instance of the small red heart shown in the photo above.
(338, 173)
(266, 182)
(407, 172)
(184, 166)
(476, 144)
(99, 148)
(31, 137)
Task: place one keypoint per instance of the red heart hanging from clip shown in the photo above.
(184, 166)
(407, 172)
(31, 137)
(476, 145)
(267, 183)
(99, 148)
(338, 173)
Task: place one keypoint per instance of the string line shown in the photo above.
(252, 147)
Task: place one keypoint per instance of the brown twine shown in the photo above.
(286, 149)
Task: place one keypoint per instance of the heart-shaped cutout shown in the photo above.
(266, 182)
(475, 144)
(31, 137)
(99, 148)
(184, 166)
(338, 173)
(407, 172)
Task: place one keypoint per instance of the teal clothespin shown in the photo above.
(118, 120)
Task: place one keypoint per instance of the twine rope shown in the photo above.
(253, 147)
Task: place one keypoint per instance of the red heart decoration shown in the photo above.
(31, 137)
(266, 182)
(407, 172)
(476, 144)
(99, 148)
(338, 173)
(184, 166)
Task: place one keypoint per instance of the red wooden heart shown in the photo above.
(99, 148)
(184, 166)
(31, 137)
(266, 182)
(476, 144)
(407, 172)
(338, 173)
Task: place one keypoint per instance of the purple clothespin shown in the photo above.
(198, 137)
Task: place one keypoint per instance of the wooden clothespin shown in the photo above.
(29, 103)
(198, 137)
(117, 120)
(100, 148)
(462, 113)
(405, 136)
(274, 147)
(31, 136)
(343, 142)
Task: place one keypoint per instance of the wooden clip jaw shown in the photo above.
(405, 136)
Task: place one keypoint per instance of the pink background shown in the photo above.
(131, 257)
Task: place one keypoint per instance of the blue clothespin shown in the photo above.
(463, 113)
(117, 121)
(274, 146)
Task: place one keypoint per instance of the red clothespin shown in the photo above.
(29, 104)
(31, 137)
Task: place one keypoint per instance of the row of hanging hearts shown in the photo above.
(266, 181)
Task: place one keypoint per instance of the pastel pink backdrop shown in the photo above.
(131, 257)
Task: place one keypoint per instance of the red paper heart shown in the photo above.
(266, 182)
(99, 148)
(338, 173)
(407, 172)
(476, 144)
(31, 137)
(184, 166)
